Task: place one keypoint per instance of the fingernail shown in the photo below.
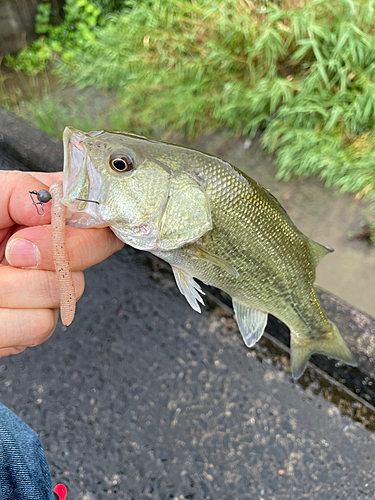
(22, 253)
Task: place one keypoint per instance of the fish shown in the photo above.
(210, 222)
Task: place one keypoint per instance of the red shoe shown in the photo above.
(60, 492)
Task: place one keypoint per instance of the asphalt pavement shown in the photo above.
(143, 398)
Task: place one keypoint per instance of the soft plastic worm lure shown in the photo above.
(60, 255)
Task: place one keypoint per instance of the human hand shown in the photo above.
(30, 298)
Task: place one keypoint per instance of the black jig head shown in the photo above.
(43, 196)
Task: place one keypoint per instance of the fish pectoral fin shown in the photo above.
(332, 345)
(318, 251)
(189, 288)
(215, 260)
(187, 215)
(251, 322)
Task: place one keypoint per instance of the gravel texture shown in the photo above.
(145, 399)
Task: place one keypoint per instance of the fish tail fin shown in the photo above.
(332, 345)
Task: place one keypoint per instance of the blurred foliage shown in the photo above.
(53, 113)
(372, 233)
(63, 40)
(301, 70)
(109, 6)
(365, 232)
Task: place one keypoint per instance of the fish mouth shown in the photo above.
(82, 184)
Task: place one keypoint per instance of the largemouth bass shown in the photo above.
(209, 221)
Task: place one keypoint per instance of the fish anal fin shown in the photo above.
(251, 322)
(189, 288)
(215, 260)
(332, 345)
(318, 251)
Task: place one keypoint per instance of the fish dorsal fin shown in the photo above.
(187, 215)
(318, 251)
(189, 288)
(215, 260)
(251, 322)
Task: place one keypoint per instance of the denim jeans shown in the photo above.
(24, 473)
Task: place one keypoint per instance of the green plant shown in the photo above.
(372, 232)
(110, 6)
(65, 40)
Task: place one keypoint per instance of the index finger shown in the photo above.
(16, 206)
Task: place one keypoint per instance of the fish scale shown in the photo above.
(209, 221)
(262, 245)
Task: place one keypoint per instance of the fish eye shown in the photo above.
(122, 163)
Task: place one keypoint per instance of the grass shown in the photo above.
(303, 71)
